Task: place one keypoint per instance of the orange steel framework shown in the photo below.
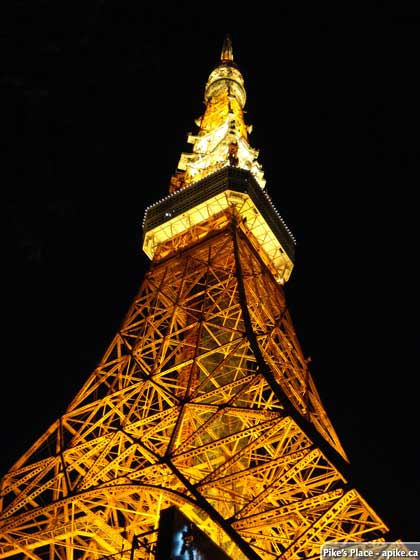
(204, 399)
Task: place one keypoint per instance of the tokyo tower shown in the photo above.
(202, 414)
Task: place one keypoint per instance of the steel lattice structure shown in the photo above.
(203, 400)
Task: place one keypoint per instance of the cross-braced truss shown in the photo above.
(201, 401)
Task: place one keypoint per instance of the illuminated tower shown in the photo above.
(203, 403)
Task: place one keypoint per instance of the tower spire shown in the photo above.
(227, 51)
(222, 138)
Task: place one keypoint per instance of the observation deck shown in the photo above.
(226, 189)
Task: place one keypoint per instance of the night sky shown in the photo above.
(97, 100)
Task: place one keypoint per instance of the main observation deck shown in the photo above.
(227, 188)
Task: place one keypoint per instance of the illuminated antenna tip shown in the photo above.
(227, 52)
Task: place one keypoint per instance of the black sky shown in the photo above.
(96, 103)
